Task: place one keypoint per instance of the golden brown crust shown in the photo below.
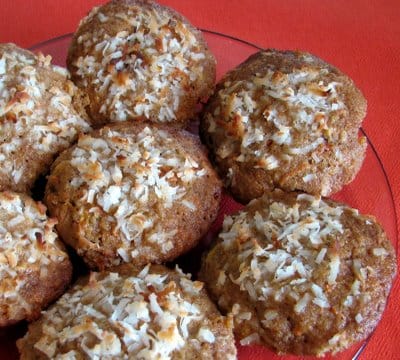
(301, 275)
(285, 120)
(35, 268)
(158, 295)
(41, 114)
(39, 292)
(165, 228)
(164, 69)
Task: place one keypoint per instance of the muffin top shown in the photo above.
(151, 314)
(301, 274)
(41, 113)
(30, 249)
(287, 120)
(138, 59)
(138, 191)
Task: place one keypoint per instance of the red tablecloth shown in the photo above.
(360, 37)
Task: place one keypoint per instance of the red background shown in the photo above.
(360, 37)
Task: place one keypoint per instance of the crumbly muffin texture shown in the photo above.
(34, 267)
(301, 274)
(133, 194)
(152, 314)
(41, 113)
(138, 59)
(285, 120)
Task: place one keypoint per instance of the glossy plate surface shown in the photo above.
(369, 192)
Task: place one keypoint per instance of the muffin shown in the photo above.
(300, 274)
(152, 314)
(133, 193)
(286, 120)
(141, 60)
(34, 267)
(41, 114)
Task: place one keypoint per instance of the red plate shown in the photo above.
(369, 192)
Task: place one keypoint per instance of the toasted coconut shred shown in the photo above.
(116, 316)
(34, 115)
(292, 111)
(143, 71)
(281, 247)
(134, 179)
(28, 244)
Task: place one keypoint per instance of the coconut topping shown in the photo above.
(134, 179)
(287, 111)
(34, 113)
(141, 71)
(28, 243)
(148, 316)
(282, 247)
(295, 269)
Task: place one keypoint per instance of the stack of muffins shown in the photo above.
(129, 190)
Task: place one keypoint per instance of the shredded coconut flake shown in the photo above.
(206, 335)
(379, 252)
(359, 318)
(321, 255)
(334, 268)
(302, 303)
(251, 339)
(221, 278)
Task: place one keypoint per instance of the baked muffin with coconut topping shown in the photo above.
(138, 59)
(134, 193)
(41, 114)
(34, 266)
(287, 120)
(156, 313)
(301, 274)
